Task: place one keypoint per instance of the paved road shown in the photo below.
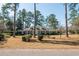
(39, 52)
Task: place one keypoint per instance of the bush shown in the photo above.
(54, 32)
(2, 37)
(8, 32)
(40, 37)
(23, 38)
(77, 31)
(17, 33)
(49, 33)
(7, 36)
(72, 31)
(26, 38)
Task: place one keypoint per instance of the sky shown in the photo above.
(46, 9)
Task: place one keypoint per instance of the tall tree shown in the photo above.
(24, 14)
(40, 18)
(74, 15)
(73, 11)
(35, 17)
(65, 5)
(20, 23)
(4, 13)
(53, 23)
(9, 24)
(25, 17)
(13, 7)
(29, 19)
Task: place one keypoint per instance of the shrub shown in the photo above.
(49, 33)
(17, 33)
(23, 38)
(77, 31)
(72, 31)
(8, 32)
(7, 36)
(26, 38)
(40, 37)
(2, 37)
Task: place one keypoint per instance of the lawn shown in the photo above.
(52, 42)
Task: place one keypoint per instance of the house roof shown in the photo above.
(37, 28)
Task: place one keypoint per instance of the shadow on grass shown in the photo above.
(73, 43)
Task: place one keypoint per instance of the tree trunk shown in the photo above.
(66, 20)
(14, 27)
(34, 32)
(3, 24)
